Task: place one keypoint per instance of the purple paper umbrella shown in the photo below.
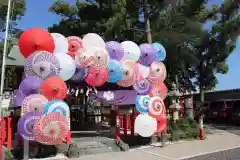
(148, 54)
(30, 85)
(18, 98)
(143, 86)
(79, 75)
(26, 124)
(42, 64)
(115, 50)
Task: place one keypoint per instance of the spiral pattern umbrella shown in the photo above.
(74, 44)
(54, 88)
(18, 98)
(30, 85)
(42, 64)
(156, 107)
(33, 103)
(26, 124)
(97, 77)
(51, 129)
(100, 57)
(57, 106)
(147, 54)
(143, 86)
(115, 71)
(79, 75)
(157, 71)
(130, 74)
(142, 102)
(159, 90)
(115, 50)
(85, 58)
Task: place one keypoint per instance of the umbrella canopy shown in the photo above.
(143, 86)
(74, 44)
(115, 71)
(159, 89)
(142, 102)
(2, 131)
(93, 40)
(35, 39)
(100, 57)
(131, 51)
(97, 77)
(26, 124)
(18, 98)
(145, 125)
(115, 50)
(148, 54)
(61, 44)
(30, 85)
(85, 58)
(158, 71)
(54, 88)
(156, 108)
(160, 51)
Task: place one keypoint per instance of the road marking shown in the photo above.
(205, 153)
(158, 155)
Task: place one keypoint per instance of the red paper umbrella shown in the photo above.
(74, 44)
(51, 129)
(97, 77)
(159, 89)
(35, 39)
(156, 108)
(130, 73)
(2, 131)
(54, 88)
(162, 124)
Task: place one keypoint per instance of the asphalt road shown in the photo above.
(233, 154)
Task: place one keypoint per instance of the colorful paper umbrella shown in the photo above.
(30, 85)
(67, 65)
(159, 90)
(35, 39)
(86, 58)
(51, 129)
(57, 106)
(79, 75)
(115, 71)
(18, 98)
(61, 44)
(131, 51)
(97, 77)
(160, 51)
(158, 71)
(33, 103)
(26, 124)
(145, 125)
(100, 57)
(162, 124)
(130, 74)
(115, 50)
(143, 86)
(156, 107)
(93, 40)
(41, 64)
(142, 102)
(147, 54)
(3, 132)
(74, 44)
(143, 71)
(54, 88)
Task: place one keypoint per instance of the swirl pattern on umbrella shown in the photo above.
(159, 90)
(33, 103)
(115, 50)
(157, 71)
(85, 57)
(130, 74)
(74, 44)
(57, 106)
(30, 85)
(115, 71)
(100, 57)
(42, 64)
(51, 129)
(156, 107)
(143, 86)
(160, 51)
(54, 88)
(131, 51)
(79, 75)
(26, 124)
(18, 98)
(97, 77)
(142, 102)
(147, 54)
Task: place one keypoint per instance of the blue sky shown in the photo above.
(37, 15)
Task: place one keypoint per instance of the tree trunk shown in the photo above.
(201, 82)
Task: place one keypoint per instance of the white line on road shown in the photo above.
(158, 155)
(205, 153)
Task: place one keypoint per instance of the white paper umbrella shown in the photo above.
(143, 71)
(131, 51)
(145, 125)
(93, 40)
(61, 44)
(67, 66)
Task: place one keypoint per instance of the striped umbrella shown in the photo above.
(156, 108)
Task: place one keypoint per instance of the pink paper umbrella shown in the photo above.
(51, 129)
(97, 77)
(157, 72)
(159, 90)
(85, 58)
(130, 73)
(156, 108)
(74, 45)
(100, 57)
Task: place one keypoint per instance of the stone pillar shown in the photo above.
(189, 107)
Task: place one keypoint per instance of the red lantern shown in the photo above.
(35, 39)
